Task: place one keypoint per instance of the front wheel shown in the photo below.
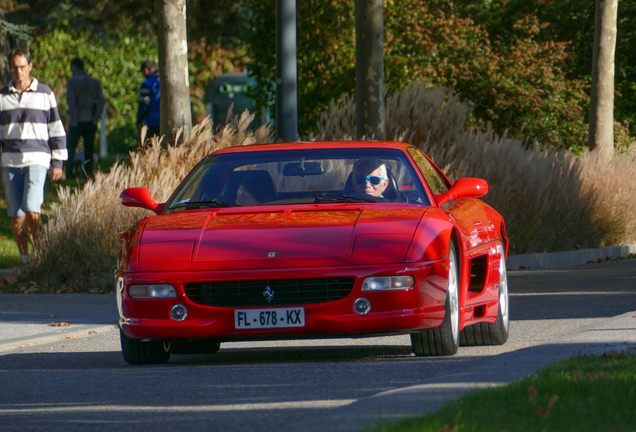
(444, 340)
(137, 352)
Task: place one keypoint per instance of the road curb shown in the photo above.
(76, 331)
(577, 257)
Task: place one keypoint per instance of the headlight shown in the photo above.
(152, 291)
(386, 283)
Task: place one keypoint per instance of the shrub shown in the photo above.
(516, 84)
(115, 61)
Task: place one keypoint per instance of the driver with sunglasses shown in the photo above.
(370, 177)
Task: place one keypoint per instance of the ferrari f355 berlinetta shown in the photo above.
(312, 240)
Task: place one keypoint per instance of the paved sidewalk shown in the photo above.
(25, 318)
(577, 257)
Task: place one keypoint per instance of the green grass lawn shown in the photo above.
(9, 255)
(586, 393)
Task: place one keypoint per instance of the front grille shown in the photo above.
(290, 292)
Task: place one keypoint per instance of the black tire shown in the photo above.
(137, 352)
(195, 346)
(497, 333)
(444, 340)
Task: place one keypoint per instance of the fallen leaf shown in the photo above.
(60, 324)
(532, 393)
(545, 412)
(12, 278)
(448, 428)
(612, 354)
(22, 346)
(93, 332)
(70, 337)
(64, 289)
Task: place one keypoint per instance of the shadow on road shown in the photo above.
(282, 389)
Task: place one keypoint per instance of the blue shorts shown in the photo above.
(24, 189)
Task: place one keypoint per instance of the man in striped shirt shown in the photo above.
(33, 140)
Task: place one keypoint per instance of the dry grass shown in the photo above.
(551, 201)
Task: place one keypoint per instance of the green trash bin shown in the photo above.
(230, 90)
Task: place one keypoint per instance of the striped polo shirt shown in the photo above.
(31, 131)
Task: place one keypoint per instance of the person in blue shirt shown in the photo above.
(149, 97)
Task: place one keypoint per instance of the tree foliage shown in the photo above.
(567, 21)
(516, 84)
(115, 61)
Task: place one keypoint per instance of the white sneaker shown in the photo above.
(25, 259)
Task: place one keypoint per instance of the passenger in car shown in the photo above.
(252, 193)
(370, 177)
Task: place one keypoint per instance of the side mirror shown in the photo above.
(468, 187)
(140, 197)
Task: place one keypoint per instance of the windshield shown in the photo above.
(365, 175)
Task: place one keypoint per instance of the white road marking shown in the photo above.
(178, 409)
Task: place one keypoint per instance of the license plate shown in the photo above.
(269, 318)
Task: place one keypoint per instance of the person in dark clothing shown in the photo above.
(149, 96)
(85, 105)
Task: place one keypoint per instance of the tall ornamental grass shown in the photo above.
(551, 201)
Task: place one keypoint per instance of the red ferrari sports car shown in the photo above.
(312, 240)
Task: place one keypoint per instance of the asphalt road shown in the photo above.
(328, 385)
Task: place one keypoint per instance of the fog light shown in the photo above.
(387, 283)
(361, 306)
(178, 312)
(152, 291)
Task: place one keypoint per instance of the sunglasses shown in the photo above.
(374, 180)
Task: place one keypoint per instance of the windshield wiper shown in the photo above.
(201, 204)
(328, 198)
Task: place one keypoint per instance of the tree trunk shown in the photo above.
(286, 72)
(173, 67)
(602, 99)
(370, 108)
(6, 45)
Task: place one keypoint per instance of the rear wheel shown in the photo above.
(137, 352)
(497, 333)
(444, 340)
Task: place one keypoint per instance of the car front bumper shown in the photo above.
(396, 311)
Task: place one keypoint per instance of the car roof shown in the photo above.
(309, 145)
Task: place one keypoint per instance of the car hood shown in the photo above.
(302, 236)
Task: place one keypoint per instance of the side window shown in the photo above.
(433, 178)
